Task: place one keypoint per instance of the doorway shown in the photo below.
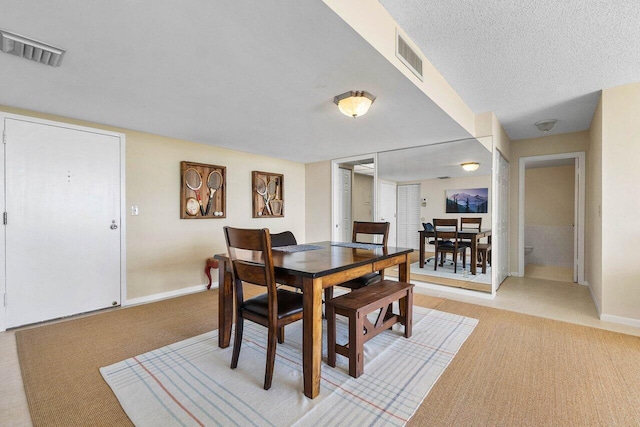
(63, 234)
(551, 216)
(349, 203)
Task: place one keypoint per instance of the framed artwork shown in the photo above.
(202, 191)
(268, 194)
(469, 200)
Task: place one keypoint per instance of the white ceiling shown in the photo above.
(528, 60)
(256, 76)
(260, 76)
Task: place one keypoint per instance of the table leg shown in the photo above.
(312, 335)
(474, 256)
(422, 237)
(225, 304)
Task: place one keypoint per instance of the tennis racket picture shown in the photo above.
(193, 180)
(214, 182)
(272, 187)
(261, 189)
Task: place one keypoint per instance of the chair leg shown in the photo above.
(281, 335)
(455, 262)
(331, 335)
(271, 356)
(237, 342)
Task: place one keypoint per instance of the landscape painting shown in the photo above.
(470, 200)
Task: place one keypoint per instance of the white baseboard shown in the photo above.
(621, 320)
(452, 290)
(166, 295)
(516, 274)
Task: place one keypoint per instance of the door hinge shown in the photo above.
(4, 218)
(5, 300)
(4, 136)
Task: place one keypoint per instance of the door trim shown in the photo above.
(123, 211)
(580, 177)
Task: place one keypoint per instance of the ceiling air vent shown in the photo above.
(30, 49)
(408, 55)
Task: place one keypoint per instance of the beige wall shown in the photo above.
(550, 196)
(318, 203)
(165, 253)
(362, 198)
(555, 144)
(620, 200)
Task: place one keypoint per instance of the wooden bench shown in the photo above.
(484, 255)
(355, 306)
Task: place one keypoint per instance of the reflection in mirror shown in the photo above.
(413, 187)
(356, 195)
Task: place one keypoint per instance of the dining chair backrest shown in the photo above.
(468, 223)
(258, 268)
(445, 229)
(371, 229)
(286, 238)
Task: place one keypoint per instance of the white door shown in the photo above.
(388, 209)
(344, 207)
(409, 216)
(63, 231)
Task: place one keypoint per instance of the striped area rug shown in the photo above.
(190, 382)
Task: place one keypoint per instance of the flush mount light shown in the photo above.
(30, 49)
(546, 125)
(470, 166)
(354, 103)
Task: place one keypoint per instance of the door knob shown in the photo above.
(113, 225)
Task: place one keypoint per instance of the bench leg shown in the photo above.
(330, 314)
(407, 304)
(356, 345)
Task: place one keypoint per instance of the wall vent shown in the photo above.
(30, 49)
(408, 56)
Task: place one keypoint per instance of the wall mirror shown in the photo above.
(412, 188)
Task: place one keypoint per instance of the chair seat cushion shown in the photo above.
(362, 281)
(288, 303)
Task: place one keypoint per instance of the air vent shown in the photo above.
(30, 49)
(408, 55)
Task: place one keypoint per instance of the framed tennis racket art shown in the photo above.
(202, 191)
(267, 194)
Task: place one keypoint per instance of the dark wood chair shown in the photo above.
(468, 223)
(360, 229)
(286, 238)
(484, 256)
(274, 309)
(446, 238)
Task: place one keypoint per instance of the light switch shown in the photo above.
(134, 210)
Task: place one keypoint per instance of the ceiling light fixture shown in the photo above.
(470, 166)
(354, 103)
(30, 49)
(546, 125)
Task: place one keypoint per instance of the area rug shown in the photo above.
(190, 382)
(447, 272)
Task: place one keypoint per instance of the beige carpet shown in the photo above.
(513, 370)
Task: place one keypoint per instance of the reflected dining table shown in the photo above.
(312, 270)
(471, 234)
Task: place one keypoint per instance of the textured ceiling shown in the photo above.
(528, 60)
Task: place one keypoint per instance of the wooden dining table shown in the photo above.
(312, 271)
(473, 235)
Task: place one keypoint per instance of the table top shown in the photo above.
(327, 260)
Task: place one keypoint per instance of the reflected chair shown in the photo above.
(274, 309)
(446, 241)
(361, 229)
(468, 223)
